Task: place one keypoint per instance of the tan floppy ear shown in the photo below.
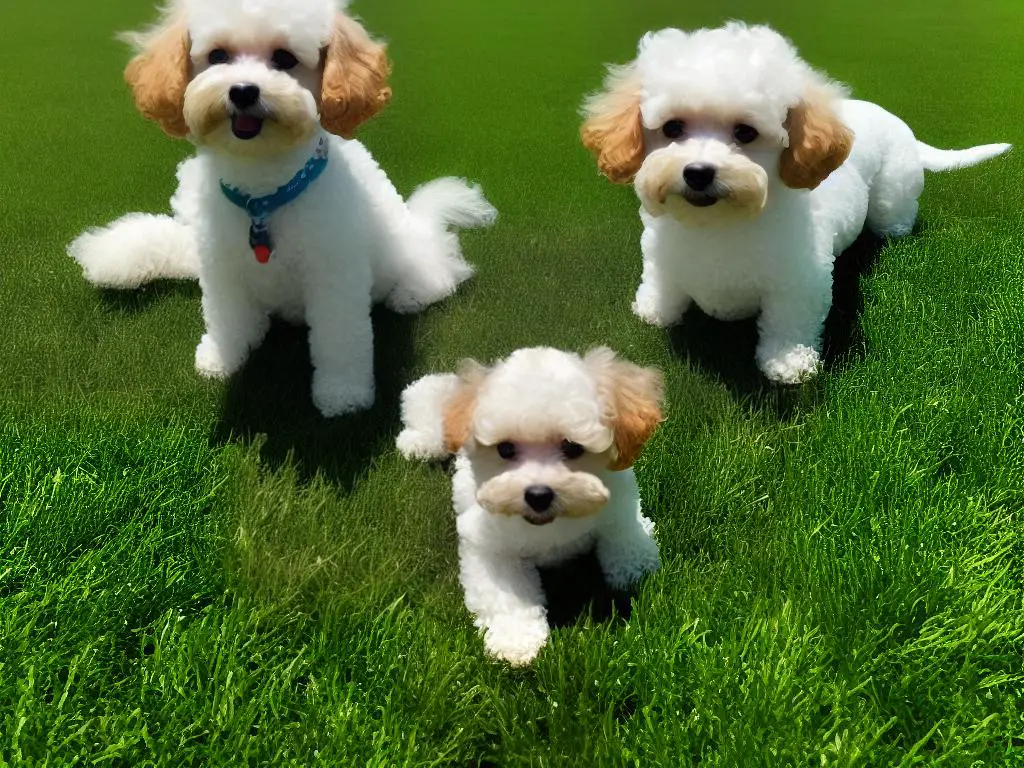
(355, 79)
(459, 408)
(632, 397)
(160, 73)
(819, 142)
(612, 130)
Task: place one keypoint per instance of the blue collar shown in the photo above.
(259, 209)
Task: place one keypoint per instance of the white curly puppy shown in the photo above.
(753, 171)
(277, 214)
(545, 441)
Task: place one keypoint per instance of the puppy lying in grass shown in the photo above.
(545, 443)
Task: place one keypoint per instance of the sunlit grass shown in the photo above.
(206, 574)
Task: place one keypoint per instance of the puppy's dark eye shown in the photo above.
(507, 450)
(284, 60)
(218, 56)
(745, 133)
(673, 129)
(572, 450)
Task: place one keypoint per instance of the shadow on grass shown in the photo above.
(271, 397)
(843, 342)
(577, 588)
(140, 299)
(725, 350)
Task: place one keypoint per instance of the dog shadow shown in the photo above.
(140, 299)
(724, 350)
(577, 588)
(843, 342)
(270, 400)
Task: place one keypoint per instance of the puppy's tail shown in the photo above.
(452, 202)
(423, 402)
(934, 159)
(430, 264)
(136, 249)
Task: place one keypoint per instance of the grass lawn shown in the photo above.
(210, 574)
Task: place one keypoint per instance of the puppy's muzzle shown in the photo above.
(245, 97)
(699, 178)
(539, 499)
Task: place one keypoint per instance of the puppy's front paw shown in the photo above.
(211, 361)
(516, 637)
(334, 395)
(793, 365)
(648, 312)
(651, 308)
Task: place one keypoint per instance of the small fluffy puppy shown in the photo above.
(277, 214)
(753, 171)
(544, 443)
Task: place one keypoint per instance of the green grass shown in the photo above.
(207, 574)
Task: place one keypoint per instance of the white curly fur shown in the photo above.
(348, 241)
(534, 399)
(748, 243)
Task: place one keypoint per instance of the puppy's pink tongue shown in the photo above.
(247, 124)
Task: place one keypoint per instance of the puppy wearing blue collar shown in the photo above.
(280, 212)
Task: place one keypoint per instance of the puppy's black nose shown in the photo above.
(244, 95)
(699, 175)
(539, 497)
